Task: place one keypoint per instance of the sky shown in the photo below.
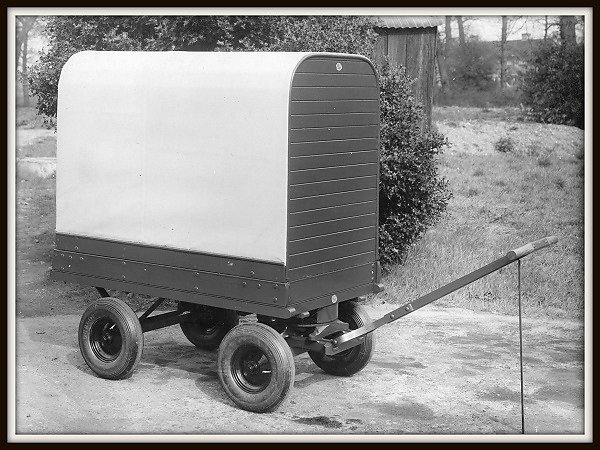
(489, 28)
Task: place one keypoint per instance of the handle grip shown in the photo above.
(525, 250)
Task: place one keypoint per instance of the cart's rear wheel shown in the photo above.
(356, 358)
(209, 326)
(256, 367)
(110, 338)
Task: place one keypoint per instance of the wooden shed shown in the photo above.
(410, 41)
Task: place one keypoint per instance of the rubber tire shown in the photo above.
(279, 355)
(353, 360)
(132, 338)
(193, 331)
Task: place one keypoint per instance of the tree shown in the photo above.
(448, 31)
(440, 58)
(553, 87)
(461, 30)
(503, 52)
(472, 65)
(567, 30)
(25, 25)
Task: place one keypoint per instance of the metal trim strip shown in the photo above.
(172, 257)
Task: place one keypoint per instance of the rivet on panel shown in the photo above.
(123, 276)
(196, 287)
(70, 256)
(81, 258)
(274, 299)
(76, 248)
(252, 273)
(197, 274)
(244, 283)
(258, 285)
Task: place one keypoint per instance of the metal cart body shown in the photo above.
(246, 181)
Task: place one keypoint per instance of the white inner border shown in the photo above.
(11, 217)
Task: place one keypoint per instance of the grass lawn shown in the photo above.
(501, 201)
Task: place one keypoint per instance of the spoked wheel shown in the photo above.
(209, 325)
(355, 359)
(256, 367)
(110, 338)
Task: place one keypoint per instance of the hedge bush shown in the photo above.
(553, 88)
(412, 194)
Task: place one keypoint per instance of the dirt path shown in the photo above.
(438, 371)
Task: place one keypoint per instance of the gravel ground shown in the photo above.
(437, 371)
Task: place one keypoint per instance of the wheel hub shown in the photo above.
(105, 340)
(251, 369)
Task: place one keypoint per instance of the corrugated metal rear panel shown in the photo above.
(333, 174)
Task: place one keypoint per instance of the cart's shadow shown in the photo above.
(166, 361)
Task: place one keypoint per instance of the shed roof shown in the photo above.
(408, 21)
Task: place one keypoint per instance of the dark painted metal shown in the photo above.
(334, 93)
(333, 106)
(332, 173)
(163, 320)
(328, 65)
(150, 310)
(207, 283)
(332, 187)
(322, 228)
(328, 200)
(330, 283)
(331, 266)
(330, 214)
(333, 79)
(329, 240)
(332, 253)
(333, 120)
(342, 295)
(246, 306)
(333, 160)
(172, 257)
(102, 292)
(333, 133)
(328, 313)
(326, 147)
(348, 340)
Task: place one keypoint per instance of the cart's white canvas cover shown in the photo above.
(185, 150)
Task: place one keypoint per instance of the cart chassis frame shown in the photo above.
(327, 324)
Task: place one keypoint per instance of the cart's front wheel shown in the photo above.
(356, 358)
(209, 325)
(256, 367)
(110, 338)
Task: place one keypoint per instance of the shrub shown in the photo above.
(504, 145)
(412, 194)
(553, 88)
